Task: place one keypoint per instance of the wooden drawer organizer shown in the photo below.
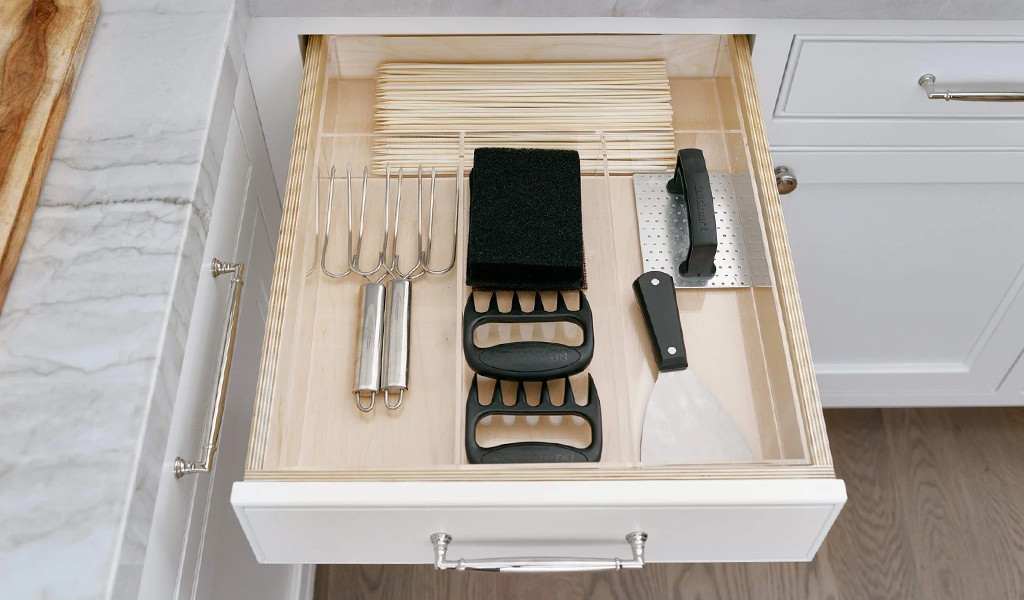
(747, 345)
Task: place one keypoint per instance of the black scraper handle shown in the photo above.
(694, 184)
(656, 295)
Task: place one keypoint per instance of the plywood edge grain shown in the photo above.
(33, 142)
(303, 149)
(781, 258)
(597, 472)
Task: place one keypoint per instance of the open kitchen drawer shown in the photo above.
(326, 483)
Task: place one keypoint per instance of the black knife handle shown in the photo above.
(656, 294)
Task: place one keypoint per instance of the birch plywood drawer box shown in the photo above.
(329, 483)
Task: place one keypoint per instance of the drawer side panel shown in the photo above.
(780, 257)
(307, 125)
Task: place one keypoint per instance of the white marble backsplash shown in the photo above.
(93, 330)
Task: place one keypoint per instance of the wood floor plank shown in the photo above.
(401, 582)
(649, 584)
(990, 452)
(932, 489)
(753, 581)
(815, 580)
(869, 544)
(686, 582)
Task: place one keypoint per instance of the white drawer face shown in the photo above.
(872, 78)
(391, 523)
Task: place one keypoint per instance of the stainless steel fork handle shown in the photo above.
(441, 541)
(927, 81)
(370, 344)
(204, 464)
(395, 368)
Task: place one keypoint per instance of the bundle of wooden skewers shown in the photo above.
(617, 114)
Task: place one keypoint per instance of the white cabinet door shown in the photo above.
(910, 267)
(197, 549)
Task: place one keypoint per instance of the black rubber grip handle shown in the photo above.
(656, 295)
(694, 184)
(533, 452)
(532, 360)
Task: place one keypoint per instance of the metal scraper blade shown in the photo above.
(684, 423)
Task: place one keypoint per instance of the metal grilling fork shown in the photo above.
(382, 362)
(396, 342)
(371, 293)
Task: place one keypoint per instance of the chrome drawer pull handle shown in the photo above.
(184, 467)
(636, 540)
(927, 81)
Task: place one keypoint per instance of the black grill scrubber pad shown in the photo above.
(525, 220)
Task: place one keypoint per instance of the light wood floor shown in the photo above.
(935, 511)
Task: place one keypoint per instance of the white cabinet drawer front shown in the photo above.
(878, 78)
(691, 521)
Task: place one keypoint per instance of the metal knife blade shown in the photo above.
(683, 422)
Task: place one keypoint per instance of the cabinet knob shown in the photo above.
(785, 180)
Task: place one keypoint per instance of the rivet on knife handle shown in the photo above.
(655, 293)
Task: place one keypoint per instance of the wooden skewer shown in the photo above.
(538, 105)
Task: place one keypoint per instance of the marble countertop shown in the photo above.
(692, 9)
(99, 304)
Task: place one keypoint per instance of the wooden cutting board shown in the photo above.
(42, 46)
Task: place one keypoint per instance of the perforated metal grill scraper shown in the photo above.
(683, 422)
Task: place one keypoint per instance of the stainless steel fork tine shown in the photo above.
(395, 271)
(430, 222)
(420, 269)
(392, 264)
(327, 229)
(387, 223)
(419, 210)
(362, 218)
(430, 227)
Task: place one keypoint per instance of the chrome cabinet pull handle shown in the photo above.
(184, 467)
(636, 540)
(927, 81)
